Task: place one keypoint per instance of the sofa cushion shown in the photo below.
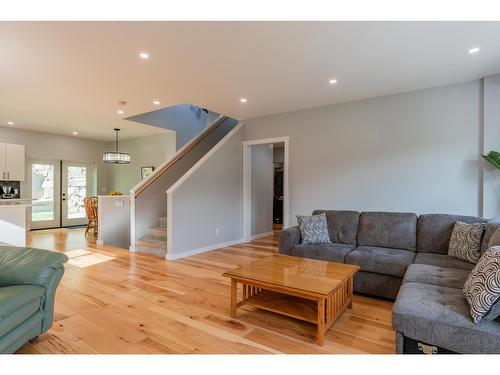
(494, 240)
(491, 228)
(434, 231)
(388, 229)
(381, 260)
(444, 261)
(439, 276)
(376, 284)
(334, 252)
(482, 287)
(465, 241)
(440, 316)
(313, 229)
(18, 303)
(342, 225)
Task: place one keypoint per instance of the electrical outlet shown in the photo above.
(217, 231)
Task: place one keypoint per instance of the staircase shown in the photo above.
(149, 197)
(155, 242)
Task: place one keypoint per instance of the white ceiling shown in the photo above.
(68, 76)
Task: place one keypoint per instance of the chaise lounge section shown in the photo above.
(403, 256)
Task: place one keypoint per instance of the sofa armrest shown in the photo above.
(27, 266)
(288, 239)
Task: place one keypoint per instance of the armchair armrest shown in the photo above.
(288, 239)
(27, 266)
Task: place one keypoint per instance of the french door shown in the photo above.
(58, 189)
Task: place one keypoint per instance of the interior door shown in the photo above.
(45, 192)
(76, 185)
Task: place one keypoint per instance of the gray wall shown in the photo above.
(262, 176)
(416, 151)
(186, 120)
(491, 182)
(209, 199)
(146, 151)
(58, 147)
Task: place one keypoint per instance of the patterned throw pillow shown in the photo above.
(482, 287)
(313, 229)
(465, 241)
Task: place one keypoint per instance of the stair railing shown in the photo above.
(143, 185)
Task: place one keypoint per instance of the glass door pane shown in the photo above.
(45, 194)
(76, 185)
(77, 191)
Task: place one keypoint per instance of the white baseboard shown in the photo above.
(257, 236)
(203, 249)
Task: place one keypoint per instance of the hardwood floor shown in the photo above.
(112, 301)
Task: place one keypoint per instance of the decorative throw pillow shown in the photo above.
(482, 287)
(313, 229)
(465, 241)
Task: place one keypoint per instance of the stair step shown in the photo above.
(149, 245)
(163, 222)
(158, 233)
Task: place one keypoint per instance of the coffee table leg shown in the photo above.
(234, 297)
(350, 286)
(321, 321)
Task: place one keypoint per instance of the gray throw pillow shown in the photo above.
(313, 229)
(465, 241)
(482, 287)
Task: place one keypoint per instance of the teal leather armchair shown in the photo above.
(28, 282)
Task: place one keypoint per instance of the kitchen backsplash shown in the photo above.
(10, 190)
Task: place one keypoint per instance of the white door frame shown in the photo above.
(247, 183)
(56, 221)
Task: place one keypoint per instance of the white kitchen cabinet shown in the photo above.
(3, 147)
(12, 159)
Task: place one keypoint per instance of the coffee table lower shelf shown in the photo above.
(321, 310)
(294, 307)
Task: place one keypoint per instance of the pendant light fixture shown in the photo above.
(116, 157)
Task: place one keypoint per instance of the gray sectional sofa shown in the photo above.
(403, 256)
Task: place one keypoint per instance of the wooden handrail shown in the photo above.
(178, 157)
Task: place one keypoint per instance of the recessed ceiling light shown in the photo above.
(10, 123)
(156, 102)
(75, 133)
(473, 51)
(144, 55)
(332, 81)
(120, 112)
(243, 100)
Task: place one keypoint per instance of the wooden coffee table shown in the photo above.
(312, 290)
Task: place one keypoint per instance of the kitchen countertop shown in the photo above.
(15, 202)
